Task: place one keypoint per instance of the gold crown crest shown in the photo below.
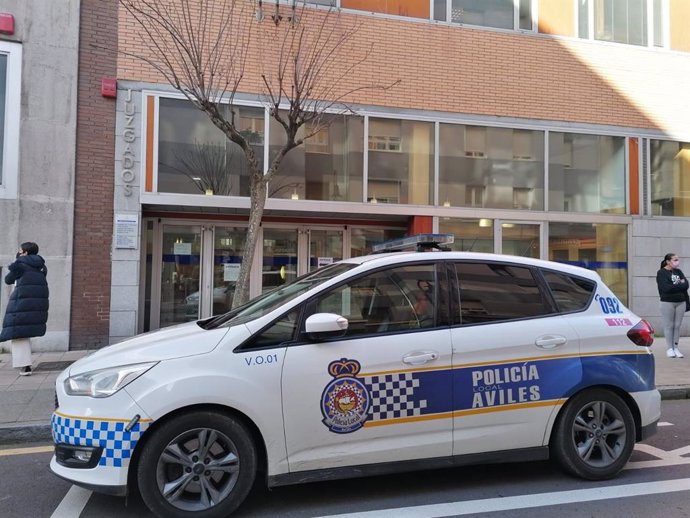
(344, 367)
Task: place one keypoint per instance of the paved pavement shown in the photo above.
(27, 402)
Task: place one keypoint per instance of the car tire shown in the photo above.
(200, 464)
(594, 436)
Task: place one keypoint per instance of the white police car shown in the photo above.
(374, 364)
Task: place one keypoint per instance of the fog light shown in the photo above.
(77, 456)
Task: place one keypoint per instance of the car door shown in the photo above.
(514, 357)
(382, 392)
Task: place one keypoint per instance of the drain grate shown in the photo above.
(52, 366)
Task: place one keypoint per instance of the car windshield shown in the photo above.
(277, 297)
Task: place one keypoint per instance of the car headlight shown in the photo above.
(105, 382)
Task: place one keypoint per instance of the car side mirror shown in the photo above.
(321, 326)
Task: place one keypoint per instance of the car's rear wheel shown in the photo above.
(200, 464)
(594, 436)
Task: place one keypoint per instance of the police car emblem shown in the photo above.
(345, 400)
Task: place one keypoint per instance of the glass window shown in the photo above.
(364, 239)
(586, 173)
(281, 331)
(227, 259)
(596, 246)
(195, 157)
(440, 10)
(570, 293)
(327, 167)
(583, 18)
(279, 257)
(622, 21)
(10, 93)
(525, 15)
(495, 292)
(499, 168)
(401, 161)
(471, 235)
(670, 178)
(658, 24)
(487, 13)
(398, 299)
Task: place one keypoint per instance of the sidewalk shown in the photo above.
(27, 402)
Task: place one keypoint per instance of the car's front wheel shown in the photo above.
(594, 436)
(199, 464)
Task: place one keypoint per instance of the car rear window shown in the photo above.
(570, 293)
(495, 292)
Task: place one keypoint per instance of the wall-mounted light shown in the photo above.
(209, 192)
(294, 195)
(507, 225)
(485, 222)
(446, 203)
(373, 200)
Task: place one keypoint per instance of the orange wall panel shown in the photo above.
(420, 225)
(557, 17)
(680, 35)
(412, 8)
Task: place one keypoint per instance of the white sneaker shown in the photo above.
(671, 353)
(678, 353)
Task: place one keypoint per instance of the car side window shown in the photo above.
(495, 292)
(279, 332)
(570, 293)
(396, 299)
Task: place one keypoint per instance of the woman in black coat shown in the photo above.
(27, 310)
(673, 294)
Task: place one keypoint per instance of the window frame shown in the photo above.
(10, 157)
(534, 6)
(649, 8)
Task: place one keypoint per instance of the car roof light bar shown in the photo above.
(419, 242)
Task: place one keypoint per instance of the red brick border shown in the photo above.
(93, 197)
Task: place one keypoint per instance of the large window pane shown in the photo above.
(670, 168)
(622, 21)
(500, 168)
(328, 166)
(471, 235)
(401, 161)
(526, 14)
(583, 18)
(440, 10)
(195, 157)
(658, 14)
(488, 13)
(596, 246)
(586, 173)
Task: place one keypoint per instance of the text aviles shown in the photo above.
(489, 390)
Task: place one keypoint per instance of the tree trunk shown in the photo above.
(256, 211)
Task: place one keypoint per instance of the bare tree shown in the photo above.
(307, 61)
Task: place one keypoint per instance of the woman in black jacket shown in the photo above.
(27, 310)
(673, 292)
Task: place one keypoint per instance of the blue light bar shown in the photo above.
(418, 242)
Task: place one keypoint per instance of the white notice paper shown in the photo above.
(231, 272)
(126, 231)
(323, 261)
(182, 248)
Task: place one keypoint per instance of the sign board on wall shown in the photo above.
(127, 231)
(231, 272)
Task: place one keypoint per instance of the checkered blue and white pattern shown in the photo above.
(110, 435)
(392, 396)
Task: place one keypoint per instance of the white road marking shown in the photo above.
(26, 451)
(526, 501)
(73, 504)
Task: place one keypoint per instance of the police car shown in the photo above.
(389, 362)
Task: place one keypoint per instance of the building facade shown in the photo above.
(550, 128)
(38, 98)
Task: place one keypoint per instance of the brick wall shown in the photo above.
(483, 72)
(93, 218)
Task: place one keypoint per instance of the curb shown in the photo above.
(24, 433)
(674, 392)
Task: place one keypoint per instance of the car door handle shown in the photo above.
(550, 341)
(420, 357)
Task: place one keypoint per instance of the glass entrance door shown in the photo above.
(279, 257)
(523, 239)
(228, 243)
(180, 274)
(325, 247)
